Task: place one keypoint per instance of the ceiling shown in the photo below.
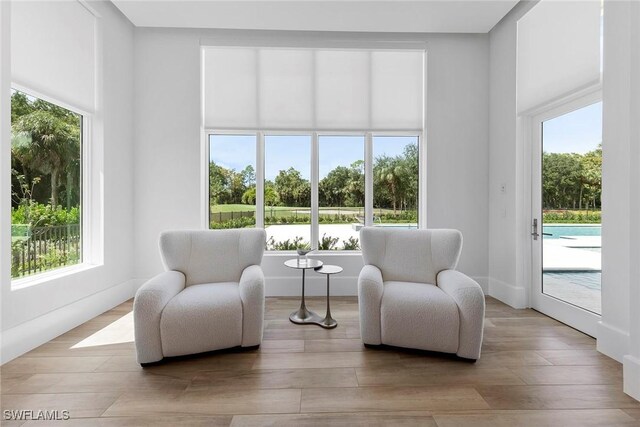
(404, 16)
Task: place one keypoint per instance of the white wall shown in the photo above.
(35, 314)
(507, 228)
(619, 333)
(167, 177)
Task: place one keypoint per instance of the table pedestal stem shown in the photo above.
(303, 315)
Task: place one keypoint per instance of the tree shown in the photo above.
(292, 189)
(249, 196)
(388, 172)
(333, 188)
(218, 183)
(411, 169)
(355, 185)
(248, 176)
(591, 163)
(47, 139)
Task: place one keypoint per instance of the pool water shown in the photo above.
(556, 231)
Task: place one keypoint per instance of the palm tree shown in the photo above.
(43, 140)
(389, 173)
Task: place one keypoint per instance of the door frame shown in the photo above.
(570, 314)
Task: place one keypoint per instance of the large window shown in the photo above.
(337, 135)
(287, 191)
(340, 191)
(311, 188)
(232, 181)
(46, 190)
(395, 181)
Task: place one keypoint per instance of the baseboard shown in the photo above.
(29, 335)
(511, 295)
(314, 286)
(631, 373)
(612, 342)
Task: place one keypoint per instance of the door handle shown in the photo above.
(534, 229)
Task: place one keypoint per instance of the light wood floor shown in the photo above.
(534, 371)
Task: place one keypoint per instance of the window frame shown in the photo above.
(314, 172)
(87, 235)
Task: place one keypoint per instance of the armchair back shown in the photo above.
(411, 255)
(210, 256)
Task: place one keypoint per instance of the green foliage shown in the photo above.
(287, 245)
(395, 185)
(351, 244)
(572, 181)
(244, 222)
(327, 243)
(292, 189)
(572, 217)
(39, 215)
(343, 186)
(45, 141)
(396, 180)
(404, 216)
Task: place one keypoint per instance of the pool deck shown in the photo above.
(572, 254)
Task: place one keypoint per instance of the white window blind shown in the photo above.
(322, 89)
(558, 50)
(53, 50)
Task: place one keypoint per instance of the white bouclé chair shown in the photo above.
(210, 297)
(410, 294)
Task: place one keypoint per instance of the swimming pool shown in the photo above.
(570, 230)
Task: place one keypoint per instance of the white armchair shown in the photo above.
(410, 294)
(211, 296)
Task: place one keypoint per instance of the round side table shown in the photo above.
(328, 322)
(303, 316)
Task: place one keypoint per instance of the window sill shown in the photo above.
(48, 276)
(330, 254)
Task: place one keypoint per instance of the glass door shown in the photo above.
(567, 203)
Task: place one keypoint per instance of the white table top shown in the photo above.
(303, 263)
(329, 269)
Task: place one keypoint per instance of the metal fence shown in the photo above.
(45, 248)
(228, 216)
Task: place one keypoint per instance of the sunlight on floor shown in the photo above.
(118, 332)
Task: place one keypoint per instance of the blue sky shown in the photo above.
(283, 152)
(576, 132)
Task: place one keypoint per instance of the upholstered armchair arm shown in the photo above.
(469, 297)
(148, 304)
(252, 296)
(369, 299)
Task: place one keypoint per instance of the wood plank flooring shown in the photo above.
(533, 371)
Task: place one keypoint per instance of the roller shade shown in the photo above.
(558, 50)
(323, 89)
(53, 50)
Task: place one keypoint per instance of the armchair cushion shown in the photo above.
(419, 315)
(410, 255)
(212, 256)
(202, 318)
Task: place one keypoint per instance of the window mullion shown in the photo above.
(260, 180)
(422, 182)
(368, 179)
(315, 176)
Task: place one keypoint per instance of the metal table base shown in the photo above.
(304, 316)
